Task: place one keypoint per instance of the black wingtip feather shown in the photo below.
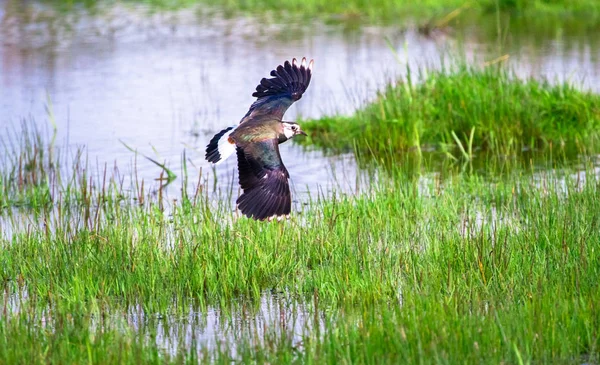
(287, 79)
(212, 150)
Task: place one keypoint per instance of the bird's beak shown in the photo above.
(302, 132)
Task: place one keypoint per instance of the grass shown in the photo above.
(29, 165)
(463, 111)
(71, 341)
(388, 11)
(455, 270)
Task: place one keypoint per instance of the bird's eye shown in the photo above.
(294, 128)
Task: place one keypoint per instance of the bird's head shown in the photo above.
(290, 129)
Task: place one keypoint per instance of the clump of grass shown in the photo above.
(468, 107)
(28, 165)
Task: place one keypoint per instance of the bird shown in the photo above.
(263, 177)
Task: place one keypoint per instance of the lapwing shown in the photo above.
(256, 139)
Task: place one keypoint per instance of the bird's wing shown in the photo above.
(264, 180)
(276, 94)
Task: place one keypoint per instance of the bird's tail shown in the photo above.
(220, 146)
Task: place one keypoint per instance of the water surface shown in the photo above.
(165, 82)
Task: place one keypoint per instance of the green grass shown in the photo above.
(420, 270)
(68, 340)
(389, 11)
(29, 164)
(465, 111)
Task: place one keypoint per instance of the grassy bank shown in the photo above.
(466, 111)
(419, 270)
(385, 10)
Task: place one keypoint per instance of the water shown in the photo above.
(165, 82)
(194, 328)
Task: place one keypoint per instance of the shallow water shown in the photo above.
(165, 82)
(194, 328)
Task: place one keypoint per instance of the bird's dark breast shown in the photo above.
(282, 138)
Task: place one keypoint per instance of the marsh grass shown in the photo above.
(462, 111)
(69, 339)
(28, 164)
(381, 11)
(421, 269)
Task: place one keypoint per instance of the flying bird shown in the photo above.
(256, 139)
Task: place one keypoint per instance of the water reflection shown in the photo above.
(192, 328)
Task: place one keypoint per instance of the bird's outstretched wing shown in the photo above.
(276, 94)
(264, 180)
